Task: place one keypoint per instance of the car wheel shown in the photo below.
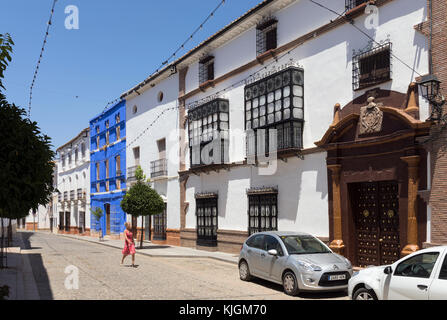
(290, 284)
(364, 294)
(244, 271)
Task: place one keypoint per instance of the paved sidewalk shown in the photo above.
(19, 274)
(157, 250)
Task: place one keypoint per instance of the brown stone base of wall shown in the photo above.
(31, 226)
(172, 237)
(114, 236)
(93, 233)
(229, 241)
(74, 230)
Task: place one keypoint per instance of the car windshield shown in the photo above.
(303, 245)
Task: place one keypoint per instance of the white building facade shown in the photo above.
(45, 217)
(337, 93)
(73, 184)
(152, 120)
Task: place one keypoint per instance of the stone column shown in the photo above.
(337, 244)
(413, 185)
(182, 144)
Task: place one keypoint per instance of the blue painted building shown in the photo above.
(108, 168)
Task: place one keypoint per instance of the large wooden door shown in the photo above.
(67, 221)
(107, 219)
(160, 225)
(376, 218)
(61, 220)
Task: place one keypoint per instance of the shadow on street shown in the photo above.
(304, 295)
(39, 271)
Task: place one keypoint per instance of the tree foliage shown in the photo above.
(6, 44)
(26, 167)
(97, 212)
(142, 200)
(26, 175)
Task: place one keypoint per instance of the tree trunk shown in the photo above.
(150, 228)
(1, 247)
(9, 233)
(142, 232)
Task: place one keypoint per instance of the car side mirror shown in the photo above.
(273, 252)
(388, 270)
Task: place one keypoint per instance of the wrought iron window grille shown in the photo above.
(262, 212)
(262, 190)
(372, 65)
(206, 69)
(266, 35)
(205, 195)
(159, 168)
(207, 215)
(351, 4)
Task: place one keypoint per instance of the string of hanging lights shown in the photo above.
(173, 55)
(40, 57)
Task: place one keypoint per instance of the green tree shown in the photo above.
(142, 200)
(98, 213)
(26, 175)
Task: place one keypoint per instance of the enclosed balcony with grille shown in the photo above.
(275, 102)
(208, 126)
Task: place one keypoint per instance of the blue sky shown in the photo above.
(118, 44)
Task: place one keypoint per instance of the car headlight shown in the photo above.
(348, 263)
(355, 273)
(309, 267)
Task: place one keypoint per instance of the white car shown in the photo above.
(419, 276)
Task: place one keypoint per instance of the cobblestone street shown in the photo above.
(102, 277)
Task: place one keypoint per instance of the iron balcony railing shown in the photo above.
(65, 195)
(59, 197)
(131, 173)
(81, 194)
(351, 4)
(72, 195)
(159, 168)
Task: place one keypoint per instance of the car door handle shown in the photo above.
(262, 254)
(422, 287)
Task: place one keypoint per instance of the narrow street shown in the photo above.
(102, 277)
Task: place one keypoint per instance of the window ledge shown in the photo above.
(373, 85)
(358, 9)
(266, 55)
(207, 84)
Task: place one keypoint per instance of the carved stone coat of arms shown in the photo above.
(371, 117)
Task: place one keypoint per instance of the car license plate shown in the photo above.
(337, 277)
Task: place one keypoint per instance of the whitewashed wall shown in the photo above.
(327, 63)
(72, 177)
(149, 108)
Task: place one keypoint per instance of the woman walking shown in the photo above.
(129, 245)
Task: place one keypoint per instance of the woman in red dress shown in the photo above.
(129, 244)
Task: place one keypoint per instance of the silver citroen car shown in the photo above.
(298, 261)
